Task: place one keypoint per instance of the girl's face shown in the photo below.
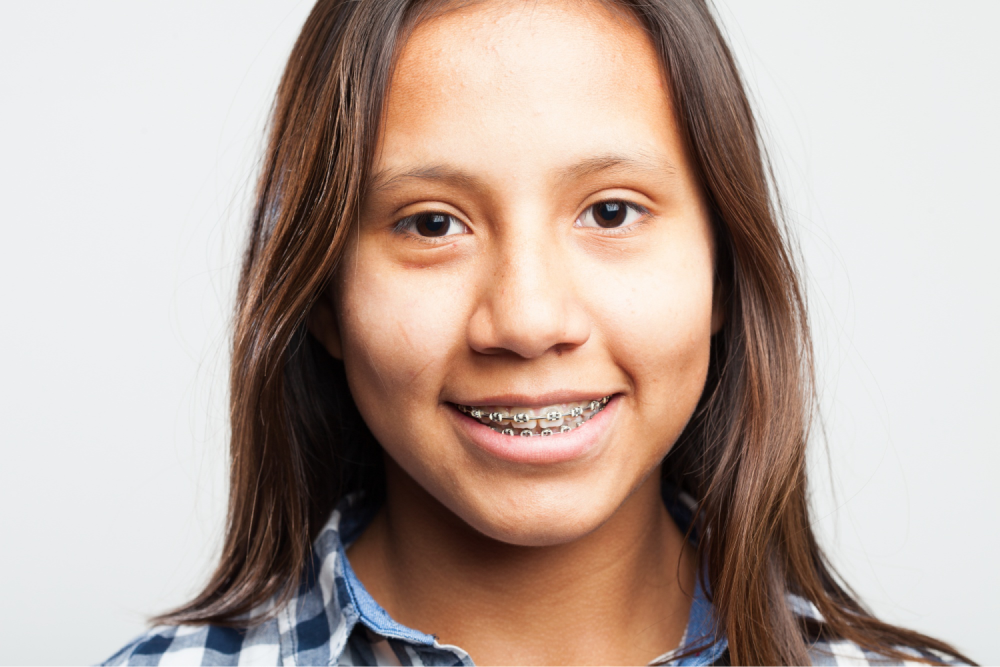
(535, 240)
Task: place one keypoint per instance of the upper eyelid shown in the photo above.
(430, 205)
(623, 193)
(626, 195)
(435, 207)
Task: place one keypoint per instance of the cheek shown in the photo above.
(397, 341)
(656, 315)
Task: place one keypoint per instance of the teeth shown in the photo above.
(527, 422)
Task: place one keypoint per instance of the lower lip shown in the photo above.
(555, 448)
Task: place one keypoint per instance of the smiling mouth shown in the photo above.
(529, 422)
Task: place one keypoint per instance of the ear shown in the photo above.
(322, 324)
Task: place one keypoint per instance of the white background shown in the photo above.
(130, 131)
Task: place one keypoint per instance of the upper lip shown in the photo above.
(535, 400)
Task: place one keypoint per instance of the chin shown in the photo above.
(539, 518)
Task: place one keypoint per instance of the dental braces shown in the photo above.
(522, 417)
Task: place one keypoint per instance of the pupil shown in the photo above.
(610, 213)
(432, 224)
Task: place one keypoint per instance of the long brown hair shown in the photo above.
(298, 444)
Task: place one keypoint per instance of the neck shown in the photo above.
(619, 595)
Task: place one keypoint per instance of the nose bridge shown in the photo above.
(530, 304)
(524, 277)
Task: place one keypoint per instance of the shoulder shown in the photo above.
(202, 645)
(313, 626)
(843, 652)
(846, 652)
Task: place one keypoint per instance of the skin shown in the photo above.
(516, 118)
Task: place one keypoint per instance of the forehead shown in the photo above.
(517, 81)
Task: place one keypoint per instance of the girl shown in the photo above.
(521, 371)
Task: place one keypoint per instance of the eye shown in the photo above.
(610, 214)
(431, 224)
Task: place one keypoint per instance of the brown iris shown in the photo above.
(609, 213)
(432, 224)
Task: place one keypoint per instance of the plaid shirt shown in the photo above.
(332, 620)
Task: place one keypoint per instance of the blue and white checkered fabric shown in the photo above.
(332, 620)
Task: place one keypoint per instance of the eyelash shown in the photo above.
(631, 207)
(406, 226)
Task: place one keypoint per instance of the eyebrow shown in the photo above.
(612, 162)
(647, 162)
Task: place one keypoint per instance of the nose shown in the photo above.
(530, 302)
